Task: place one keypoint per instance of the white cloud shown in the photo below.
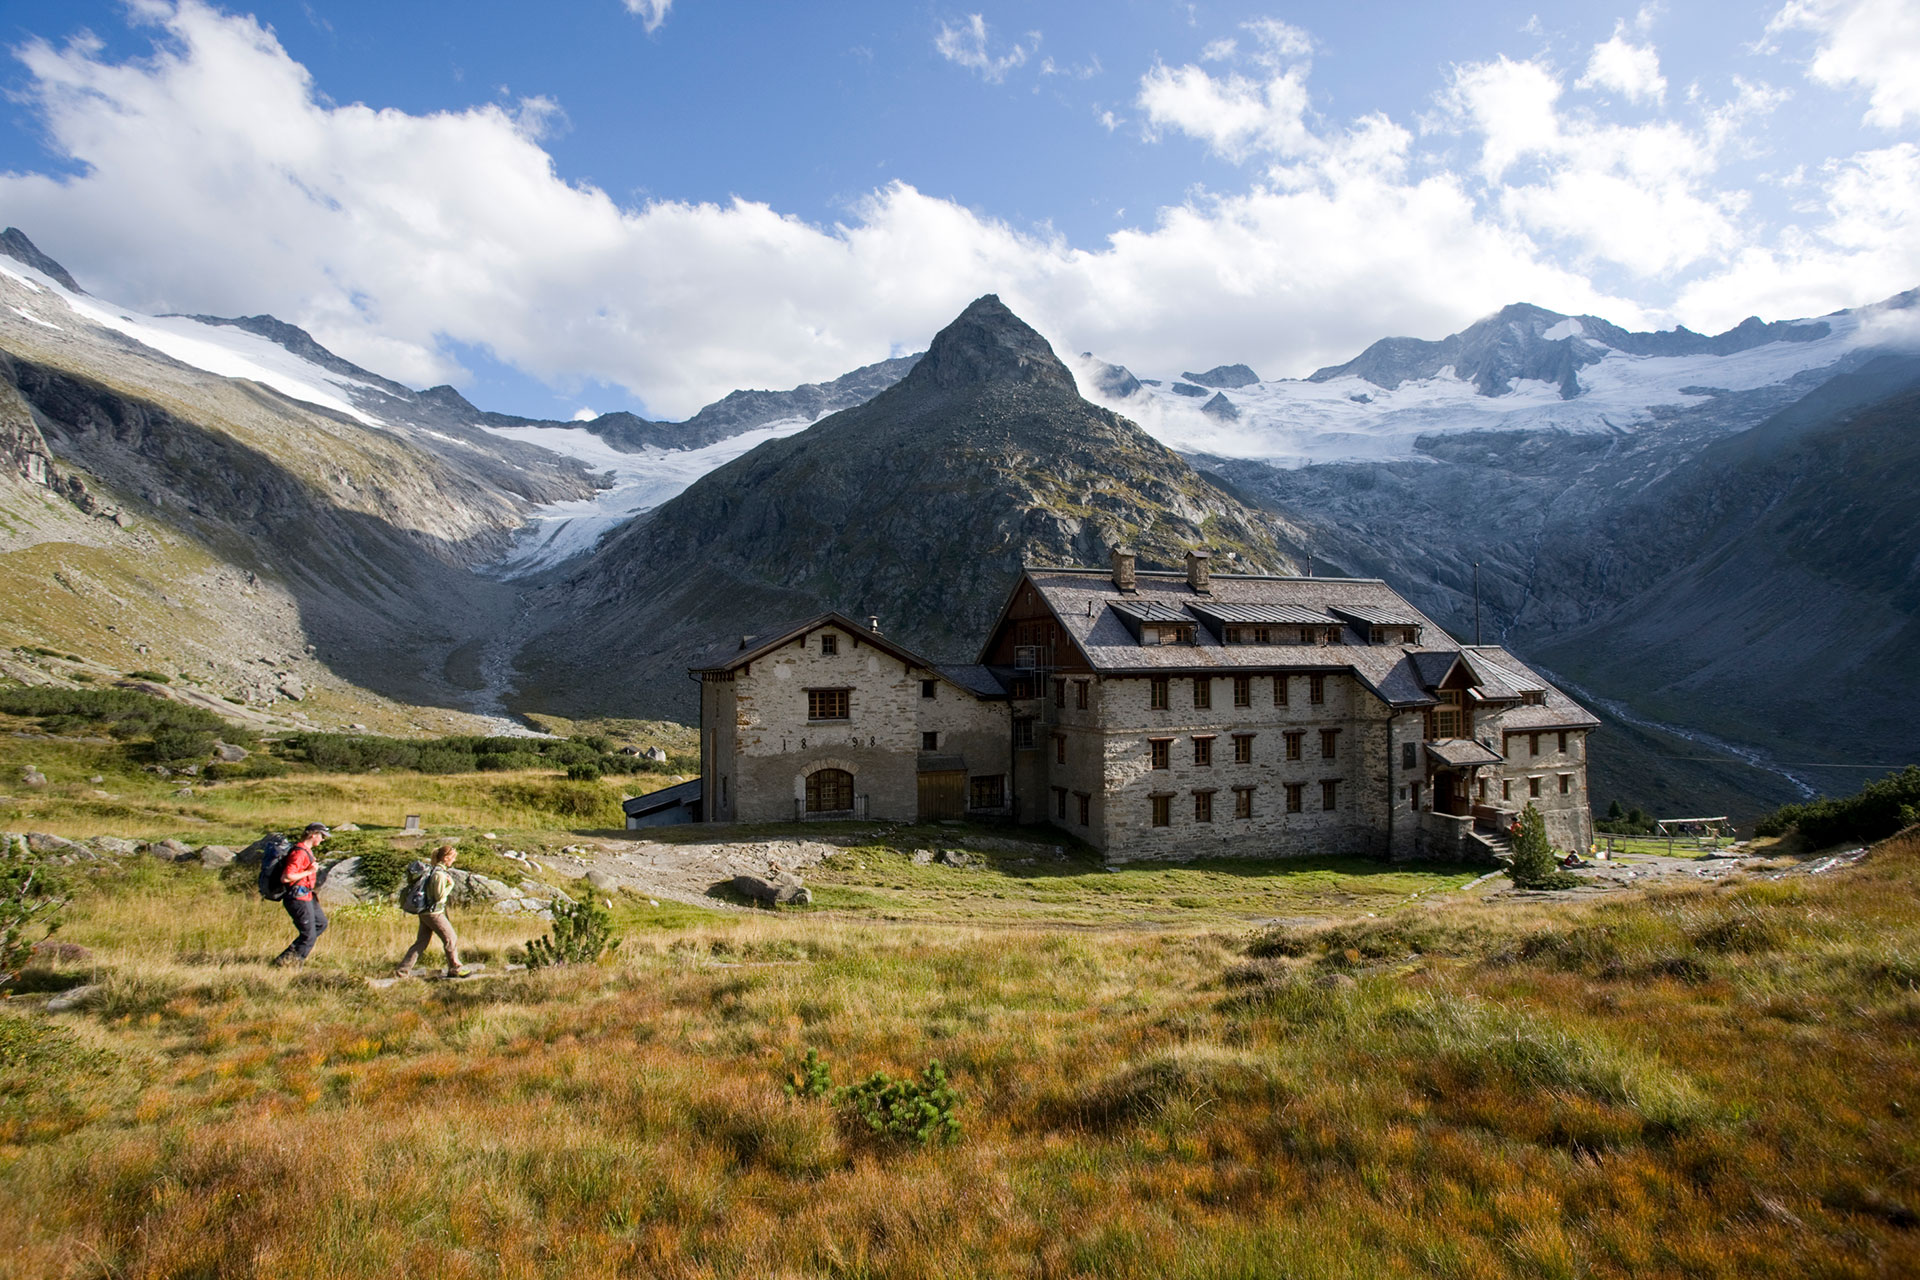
(1638, 196)
(584, 414)
(1632, 70)
(650, 12)
(1864, 245)
(1238, 116)
(1871, 43)
(966, 46)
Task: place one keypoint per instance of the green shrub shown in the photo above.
(580, 935)
(1533, 862)
(33, 895)
(583, 773)
(811, 1079)
(120, 713)
(175, 746)
(1875, 812)
(155, 676)
(383, 870)
(257, 766)
(905, 1110)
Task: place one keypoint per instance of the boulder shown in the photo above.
(215, 856)
(56, 846)
(786, 891)
(229, 753)
(923, 857)
(32, 777)
(72, 998)
(340, 884)
(171, 850)
(954, 858)
(471, 887)
(602, 881)
(346, 826)
(629, 751)
(292, 690)
(183, 793)
(61, 952)
(546, 892)
(114, 846)
(656, 754)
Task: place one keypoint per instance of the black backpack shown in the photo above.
(273, 863)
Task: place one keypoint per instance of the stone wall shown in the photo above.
(774, 747)
(1108, 755)
(1532, 774)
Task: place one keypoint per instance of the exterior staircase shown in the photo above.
(1497, 845)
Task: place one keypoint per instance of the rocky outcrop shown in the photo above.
(1228, 377)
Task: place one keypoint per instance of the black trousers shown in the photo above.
(310, 920)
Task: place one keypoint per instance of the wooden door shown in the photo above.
(943, 795)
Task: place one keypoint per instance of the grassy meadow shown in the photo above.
(1291, 1070)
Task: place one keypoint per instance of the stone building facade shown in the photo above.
(1161, 716)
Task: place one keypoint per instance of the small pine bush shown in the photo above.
(1875, 812)
(811, 1079)
(581, 934)
(905, 1110)
(1534, 866)
(32, 897)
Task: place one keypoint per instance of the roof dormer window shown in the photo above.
(1167, 633)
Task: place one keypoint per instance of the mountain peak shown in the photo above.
(987, 343)
(14, 243)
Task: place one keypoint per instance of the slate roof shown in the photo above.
(1282, 614)
(1460, 752)
(687, 792)
(1085, 602)
(975, 679)
(1375, 616)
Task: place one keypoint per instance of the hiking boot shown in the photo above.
(460, 971)
(403, 973)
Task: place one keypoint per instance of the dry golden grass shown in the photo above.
(1710, 1082)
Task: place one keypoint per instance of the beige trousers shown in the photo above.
(431, 927)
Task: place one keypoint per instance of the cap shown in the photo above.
(321, 827)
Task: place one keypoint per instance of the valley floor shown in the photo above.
(1709, 1078)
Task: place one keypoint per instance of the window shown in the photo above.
(1416, 795)
(989, 792)
(1157, 693)
(1243, 748)
(1162, 811)
(1280, 691)
(1079, 695)
(1295, 793)
(1243, 691)
(1316, 688)
(1023, 732)
(1085, 804)
(1024, 688)
(1059, 748)
(1294, 738)
(1169, 633)
(927, 688)
(1533, 744)
(1329, 793)
(1533, 786)
(1307, 634)
(930, 740)
(1060, 803)
(827, 704)
(1563, 742)
(1203, 751)
(1566, 784)
(1160, 748)
(1532, 698)
(1243, 802)
(1329, 743)
(1203, 806)
(1202, 692)
(829, 644)
(1060, 693)
(1449, 719)
(1250, 635)
(1506, 788)
(829, 791)
(1409, 756)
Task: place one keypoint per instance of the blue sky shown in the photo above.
(644, 204)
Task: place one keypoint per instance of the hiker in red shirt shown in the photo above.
(301, 876)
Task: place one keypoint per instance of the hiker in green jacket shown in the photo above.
(433, 920)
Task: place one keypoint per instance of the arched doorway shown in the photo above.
(829, 791)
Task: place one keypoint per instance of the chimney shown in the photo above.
(1123, 569)
(1197, 571)
(873, 623)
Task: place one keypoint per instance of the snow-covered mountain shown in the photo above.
(1523, 369)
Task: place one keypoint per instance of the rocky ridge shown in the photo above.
(919, 506)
